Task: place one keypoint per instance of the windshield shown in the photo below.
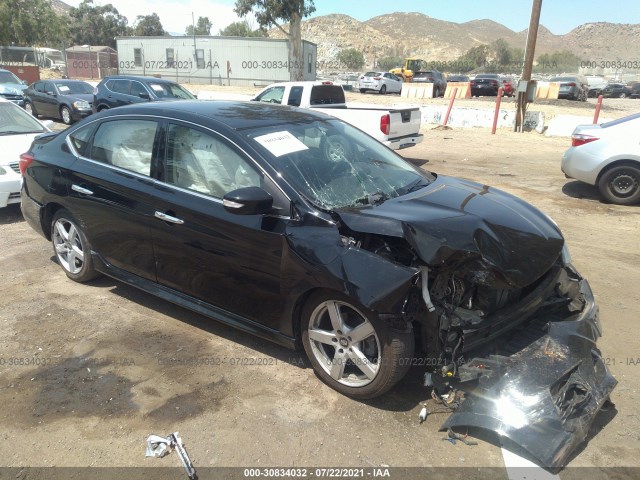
(8, 77)
(170, 90)
(335, 165)
(14, 120)
(73, 88)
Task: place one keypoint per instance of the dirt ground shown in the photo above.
(105, 365)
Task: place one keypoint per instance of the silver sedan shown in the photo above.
(381, 82)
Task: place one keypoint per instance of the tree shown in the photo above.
(351, 58)
(474, 58)
(203, 27)
(97, 25)
(269, 12)
(240, 29)
(558, 62)
(30, 23)
(387, 63)
(148, 26)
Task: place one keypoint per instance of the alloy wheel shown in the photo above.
(68, 246)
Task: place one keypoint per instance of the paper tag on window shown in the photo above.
(156, 87)
(281, 143)
(63, 88)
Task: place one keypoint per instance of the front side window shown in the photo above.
(126, 144)
(49, 88)
(205, 164)
(137, 88)
(272, 95)
(335, 165)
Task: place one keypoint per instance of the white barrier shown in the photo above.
(477, 117)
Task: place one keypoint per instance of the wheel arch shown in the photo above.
(48, 213)
(617, 163)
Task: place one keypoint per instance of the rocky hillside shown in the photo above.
(416, 34)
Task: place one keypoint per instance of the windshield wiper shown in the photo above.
(413, 186)
(376, 198)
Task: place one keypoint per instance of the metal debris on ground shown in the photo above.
(453, 437)
(160, 446)
(423, 414)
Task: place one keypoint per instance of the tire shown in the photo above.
(622, 95)
(362, 90)
(621, 185)
(72, 248)
(353, 351)
(102, 108)
(30, 109)
(65, 115)
(436, 92)
(383, 89)
(336, 149)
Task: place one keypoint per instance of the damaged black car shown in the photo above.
(301, 229)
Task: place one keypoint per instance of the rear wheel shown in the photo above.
(621, 185)
(351, 349)
(436, 92)
(383, 89)
(622, 95)
(71, 248)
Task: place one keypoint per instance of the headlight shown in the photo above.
(2, 171)
(81, 105)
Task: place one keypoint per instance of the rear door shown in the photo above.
(49, 103)
(118, 93)
(227, 260)
(112, 190)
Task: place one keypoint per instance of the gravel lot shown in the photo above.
(114, 365)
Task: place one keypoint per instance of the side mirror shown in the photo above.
(52, 94)
(144, 95)
(24, 82)
(248, 201)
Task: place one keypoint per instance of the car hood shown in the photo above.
(12, 88)
(87, 97)
(453, 215)
(12, 146)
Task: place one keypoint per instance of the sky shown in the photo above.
(559, 16)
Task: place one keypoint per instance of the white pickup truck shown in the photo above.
(396, 128)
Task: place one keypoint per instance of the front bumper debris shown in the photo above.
(545, 397)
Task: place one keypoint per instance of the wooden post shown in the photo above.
(453, 97)
(497, 112)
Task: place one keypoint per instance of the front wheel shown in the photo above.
(351, 349)
(383, 89)
(362, 90)
(436, 92)
(29, 109)
(65, 114)
(71, 248)
(621, 185)
(622, 95)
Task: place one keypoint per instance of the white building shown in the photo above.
(213, 60)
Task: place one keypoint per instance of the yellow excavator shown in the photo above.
(410, 68)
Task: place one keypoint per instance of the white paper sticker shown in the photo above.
(156, 87)
(63, 88)
(281, 143)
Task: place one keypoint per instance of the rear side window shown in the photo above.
(126, 144)
(120, 86)
(326, 95)
(295, 96)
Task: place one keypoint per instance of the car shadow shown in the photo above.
(11, 214)
(577, 189)
(403, 397)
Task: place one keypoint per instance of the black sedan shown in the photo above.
(294, 226)
(68, 100)
(616, 90)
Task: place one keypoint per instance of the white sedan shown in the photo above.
(607, 156)
(381, 82)
(17, 131)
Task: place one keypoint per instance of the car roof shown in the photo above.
(236, 115)
(63, 80)
(138, 77)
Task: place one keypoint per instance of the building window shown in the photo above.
(200, 58)
(137, 57)
(170, 58)
(310, 57)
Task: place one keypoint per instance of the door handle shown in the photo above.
(82, 190)
(168, 218)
